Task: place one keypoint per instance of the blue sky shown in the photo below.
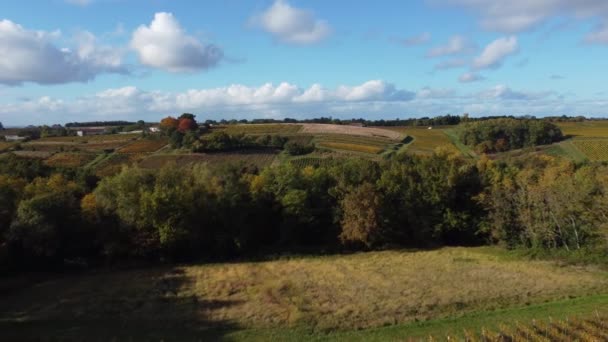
(77, 60)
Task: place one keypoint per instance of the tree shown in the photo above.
(169, 124)
(1, 126)
(186, 125)
(361, 222)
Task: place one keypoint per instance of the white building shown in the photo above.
(14, 138)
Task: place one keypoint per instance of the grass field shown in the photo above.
(256, 129)
(69, 160)
(145, 146)
(254, 157)
(425, 140)
(389, 294)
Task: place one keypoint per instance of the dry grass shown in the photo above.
(145, 145)
(342, 292)
(70, 160)
(425, 140)
(351, 130)
(588, 129)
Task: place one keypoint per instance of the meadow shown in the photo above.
(348, 297)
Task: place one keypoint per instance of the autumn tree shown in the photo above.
(169, 125)
(361, 222)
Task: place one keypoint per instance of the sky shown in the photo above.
(88, 60)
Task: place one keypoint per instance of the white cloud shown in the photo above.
(521, 15)
(420, 39)
(494, 53)
(373, 99)
(431, 93)
(32, 56)
(503, 92)
(165, 45)
(599, 35)
(291, 25)
(469, 77)
(455, 45)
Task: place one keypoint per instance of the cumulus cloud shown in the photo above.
(165, 45)
(456, 45)
(32, 56)
(420, 39)
(469, 77)
(494, 53)
(291, 25)
(374, 99)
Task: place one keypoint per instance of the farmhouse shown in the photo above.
(13, 138)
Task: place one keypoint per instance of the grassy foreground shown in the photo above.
(368, 296)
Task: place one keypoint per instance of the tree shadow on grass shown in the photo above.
(148, 305)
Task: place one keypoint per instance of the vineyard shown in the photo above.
(587, 129)
(311, 161)
(114, 163)
(350, 147)
(590, 329)
(256, 129)
(69, 160)
(145, 146)
(594, 149)
(257, 158)
(300, 139)
(364, 144)
(425, 141)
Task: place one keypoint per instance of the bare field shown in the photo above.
(33, 154)
(351, 130)
(255, 129)
(334, 292)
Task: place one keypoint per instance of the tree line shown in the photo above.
(53, 218)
